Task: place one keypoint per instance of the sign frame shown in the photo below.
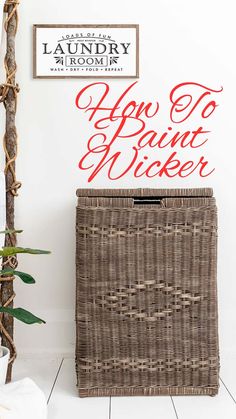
(36, 74)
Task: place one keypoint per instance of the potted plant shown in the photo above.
(19, 313)
(4, 358)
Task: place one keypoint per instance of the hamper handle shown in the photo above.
(149, 200)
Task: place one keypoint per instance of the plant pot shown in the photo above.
(4, 358)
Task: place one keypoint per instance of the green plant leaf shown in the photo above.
(10, 231)
(22, 315)
(8, 251)
(27, 278)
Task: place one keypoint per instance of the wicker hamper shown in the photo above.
(146, 301)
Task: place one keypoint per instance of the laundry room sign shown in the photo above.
(85, 51)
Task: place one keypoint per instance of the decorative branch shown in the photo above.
(8, 93)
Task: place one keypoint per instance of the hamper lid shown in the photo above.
(146, 192)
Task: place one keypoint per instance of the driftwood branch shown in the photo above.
(9, 92)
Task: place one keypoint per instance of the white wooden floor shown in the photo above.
(56, 377)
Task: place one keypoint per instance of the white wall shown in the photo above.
(188, 41)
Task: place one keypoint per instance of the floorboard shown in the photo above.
(142, 408)
(206, 407)
(42, 371)
(64, 402)
(227, 374)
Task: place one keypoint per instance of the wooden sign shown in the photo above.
(86, 51)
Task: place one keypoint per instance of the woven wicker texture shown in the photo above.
(146, 301)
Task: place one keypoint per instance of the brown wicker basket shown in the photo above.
(146, 311)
